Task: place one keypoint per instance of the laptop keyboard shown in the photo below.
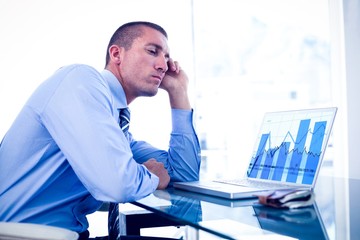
(254, 184)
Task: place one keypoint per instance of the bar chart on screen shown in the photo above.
(290, 146)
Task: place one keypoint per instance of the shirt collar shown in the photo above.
(116, 89)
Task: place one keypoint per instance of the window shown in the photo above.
(252, 57)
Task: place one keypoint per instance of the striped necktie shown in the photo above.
(113, 218)
(124, 120)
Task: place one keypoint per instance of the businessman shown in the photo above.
(67, 152)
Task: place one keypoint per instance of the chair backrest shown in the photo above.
(14, 231)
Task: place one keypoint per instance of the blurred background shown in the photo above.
(243, 58)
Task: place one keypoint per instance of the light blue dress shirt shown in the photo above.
(65, 153)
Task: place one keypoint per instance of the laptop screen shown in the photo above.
(291, 144)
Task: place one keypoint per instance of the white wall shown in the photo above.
(345, 18)
(352, 59)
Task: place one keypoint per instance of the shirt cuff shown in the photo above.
(182, 121)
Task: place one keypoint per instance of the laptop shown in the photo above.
(287, 154)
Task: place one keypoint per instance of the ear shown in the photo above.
(115, 54)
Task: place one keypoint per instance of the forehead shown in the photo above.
(151, 36)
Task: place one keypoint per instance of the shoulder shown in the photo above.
(79, 70)
(80, 74)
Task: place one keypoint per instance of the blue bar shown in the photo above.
(314, 152)
(280, 164)
(254, 166)
(267, 163)
(298, 150)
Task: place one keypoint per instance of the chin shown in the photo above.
(150, 93)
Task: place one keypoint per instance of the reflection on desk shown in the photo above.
(335, 214)
(188, 209)
(199, 211)
(302, 223)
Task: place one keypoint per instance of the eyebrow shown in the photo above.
(157, 46)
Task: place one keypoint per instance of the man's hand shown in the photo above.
(175, 83)
(158, 169)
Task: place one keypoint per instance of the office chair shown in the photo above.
(30, 231)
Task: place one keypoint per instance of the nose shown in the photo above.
(162, 64)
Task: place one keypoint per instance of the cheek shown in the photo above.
(129, 66)
(137, 66)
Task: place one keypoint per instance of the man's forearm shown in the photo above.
(179, 100)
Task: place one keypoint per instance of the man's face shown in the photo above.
(144, 65)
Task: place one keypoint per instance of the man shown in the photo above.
(65, 153)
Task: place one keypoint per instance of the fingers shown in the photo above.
(174, 65)
(159, 170)
(149, 162)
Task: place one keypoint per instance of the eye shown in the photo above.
(152, 51)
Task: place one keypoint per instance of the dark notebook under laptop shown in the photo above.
(288, 153)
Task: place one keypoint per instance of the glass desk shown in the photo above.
(335, 214)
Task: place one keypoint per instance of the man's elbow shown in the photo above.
(186, 176)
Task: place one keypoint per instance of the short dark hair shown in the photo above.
(128, 32)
